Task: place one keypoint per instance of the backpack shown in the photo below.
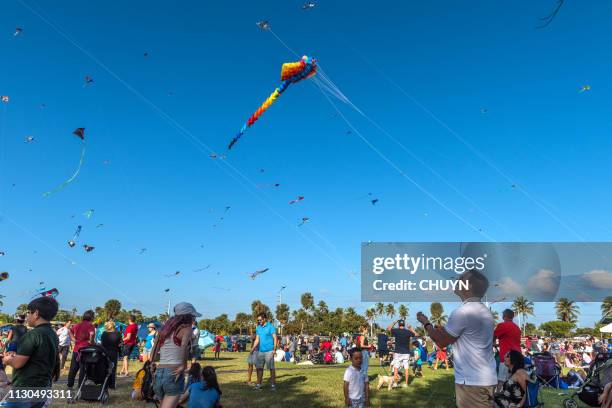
(146, 388)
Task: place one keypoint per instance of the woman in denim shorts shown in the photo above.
(172, 345)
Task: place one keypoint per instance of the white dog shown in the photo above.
(388, 380)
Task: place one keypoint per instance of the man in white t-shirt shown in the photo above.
(470, 330)
(63, 334)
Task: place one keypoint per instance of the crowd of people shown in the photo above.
(490, 361)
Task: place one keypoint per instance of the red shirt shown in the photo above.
(82, 333)
(509, 335)
(133, 330)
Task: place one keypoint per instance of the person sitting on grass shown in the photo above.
(194, 374)
(137, 384)
(356, 384)
(338, 357)
(204, 393)
(514, 389)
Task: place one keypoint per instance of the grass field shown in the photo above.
(309, 387)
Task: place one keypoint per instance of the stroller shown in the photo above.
(547, 370)
(95, 371)
(600, 373)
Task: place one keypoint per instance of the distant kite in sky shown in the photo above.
(166, 290)
(75, 237)
(2, 253)
(304, 221)
(146, 54)
(585, 88)
(142, 250)
(549, 18)
(18, 31)
(29, 139)
(5, 98)
(88, 80)
(308, 5)
(259, 272)
(297, 200)
(217, 156)
(52, 293)
(264, 25)
(89, 213)
(291, 73)
(203, 269)
(80, 133)
(177, 273)
(88, 248)
(273, 185)
(484, 111)
(374, 201)
(99, 225)
(4, 276)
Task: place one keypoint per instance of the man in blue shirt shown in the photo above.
(267, 341)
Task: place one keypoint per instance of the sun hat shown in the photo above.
(184, 308)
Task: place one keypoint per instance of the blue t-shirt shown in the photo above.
(343, 341)
(202, 398)
(149, 341)
(266, 341)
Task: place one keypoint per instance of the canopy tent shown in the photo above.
(606, 329)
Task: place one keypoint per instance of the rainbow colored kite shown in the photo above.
(291, 73)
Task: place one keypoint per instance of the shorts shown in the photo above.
(401, 360)
(502, 372)
(146, 352)
(63, 351)
(252, 358)
(474, 396)
(165, 383)
(127, 350)
(357, 403)
(265, 358)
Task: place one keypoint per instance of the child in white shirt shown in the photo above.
(356, 384)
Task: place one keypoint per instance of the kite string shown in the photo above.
(403, 174)
(181, 130)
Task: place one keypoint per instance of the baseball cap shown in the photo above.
(184, 308)
(401, 323)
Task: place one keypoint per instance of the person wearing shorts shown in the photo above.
(130, 339)
(148, 346)
(252, 359)
(401, 355)
(267, 342)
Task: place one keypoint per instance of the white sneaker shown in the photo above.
(257, 387)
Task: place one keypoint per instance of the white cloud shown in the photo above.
(509, 287)
(543, 282)
(599, 279)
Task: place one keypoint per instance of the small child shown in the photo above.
(137, 384)
(416, 357)
(194, 374)
(356, 384)
(204, 393)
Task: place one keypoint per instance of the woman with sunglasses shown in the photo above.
(514, 389)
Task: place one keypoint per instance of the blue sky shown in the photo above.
(153, 119)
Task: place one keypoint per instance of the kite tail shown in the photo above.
(73, 177)
(264, 106)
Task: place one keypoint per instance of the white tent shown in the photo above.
(606, 329)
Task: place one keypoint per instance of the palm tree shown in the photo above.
(282, 314)
(567, 310)
(438, 318)
(22, 309)
(390, 311)
(606, 306)
(242, 320)
(112, 307)
(495, 314)
(403, 312)
(307, 301)
(522, 307)
(370, 315)
(379, 308)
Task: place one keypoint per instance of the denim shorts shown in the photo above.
(165, 383)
